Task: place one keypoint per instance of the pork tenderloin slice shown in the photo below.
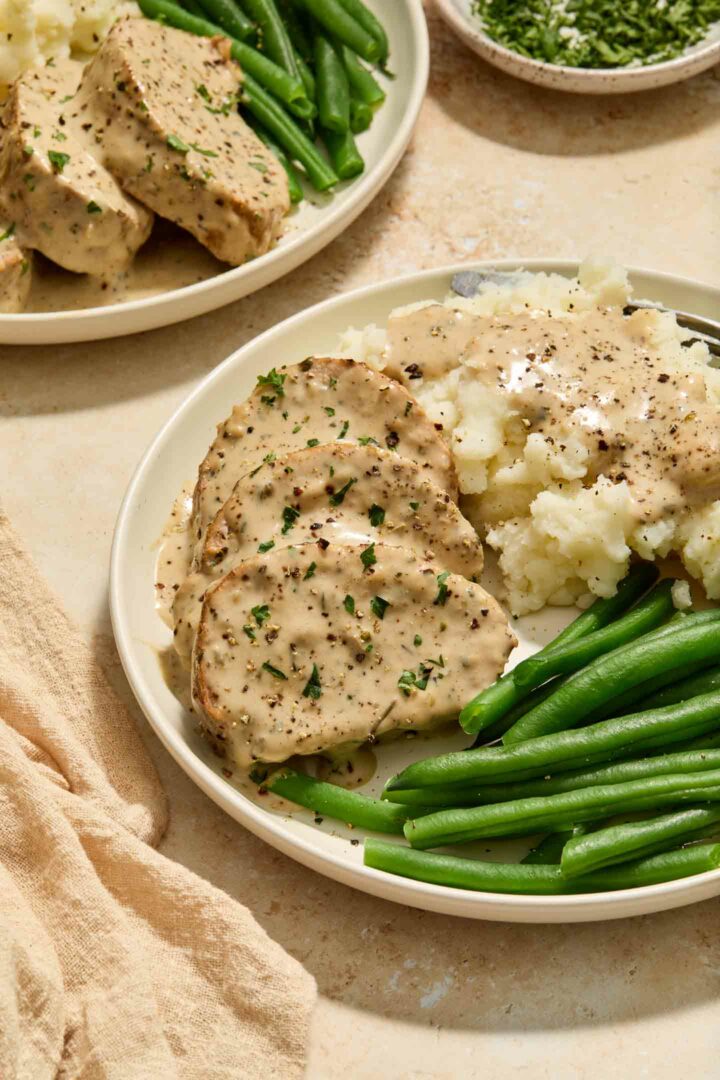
(15, 272)
(335, 492)
(163, 108)
(321, 399)
(60, 199)
(290, 663)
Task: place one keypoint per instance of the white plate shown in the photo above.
(310, 228)
(625, 80)
(171, 461)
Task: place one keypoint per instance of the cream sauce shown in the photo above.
(318, 401)
(595, 376)
(287, 663)
(174, 553)
(171, 259)
(383, 498)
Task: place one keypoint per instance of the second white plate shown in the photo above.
(309, 229)
(171, 462)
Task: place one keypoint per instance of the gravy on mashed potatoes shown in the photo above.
(580, 434)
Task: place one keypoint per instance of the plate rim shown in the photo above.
(592, 80)
(271, 266)
(269, 827)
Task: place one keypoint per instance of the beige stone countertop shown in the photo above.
(496, 169)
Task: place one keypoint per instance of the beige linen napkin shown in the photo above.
(114, 961)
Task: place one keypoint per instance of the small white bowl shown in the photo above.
(458, 14)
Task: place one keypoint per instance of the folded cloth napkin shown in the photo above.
(114, 961)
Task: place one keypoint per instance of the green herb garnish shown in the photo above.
(278, 674)
(313, 689)
(8, 232)
(310, 572)
(344, 429)
(266, 545)
(289, 517)
(367, 440)
(275, 381)
(250, 632)
(368, 557)
(379, 606)
(339, 496)
(261, 613)
(417, 641)
(330, 411)
(58, 160)
(176, 143)
(93, 208)
(313, 442)
(376, 514)
(349, 604)
(443, 592)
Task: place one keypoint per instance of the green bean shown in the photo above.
(193, 7)
(548, 852)
(701, 682)
(498, 727)
(293, 141)
(294, 186)
(288, 89)
(623, 737)
(296, 29)
(491, 704)
(615, 672)
(362, 82)
(229, 18)
(645, 691)
(333, 94)
(681, 761)
(652, 610)
(535, 880)
(637, 839)
(552, 813)
(273, 34)
(345, 157)
(308, 79)
(333, 16)
(361, 115)
(336, 802)
(362, 15)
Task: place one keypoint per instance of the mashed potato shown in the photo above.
(35, 31)
(581, 436)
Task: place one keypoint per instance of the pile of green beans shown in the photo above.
(302, 65)
(571, 786)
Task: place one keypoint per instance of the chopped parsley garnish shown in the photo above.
(58, 160)
(443, 592)
(419, 679)
(379, 606)
(267, 460)
(226, 106)
(259, 166)
(276, 672)
(368, 557)
(349, 604)
(150, 163)
(289, 517)
(339, 496)
(332, 384)
(28, 151)
(200, 150)
(417, 641)
(329, 410)
(376, 514)
(313, 689)
(60, 136)
(202, 90)
(261, 613)
(266, 545)
(29, 181)
(8, 232)
(275, 382)
(250, 632)
(93, 208)
(68, 97)
(176, 143)
(36, 132)
(367, 440)
(344, 429)
(415, 506)
(313, 442)
(310, 572)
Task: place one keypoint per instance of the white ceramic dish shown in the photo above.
(171, 462)
(458, 14)
(310, 228)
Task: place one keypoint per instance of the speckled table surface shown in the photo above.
(496, 168)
